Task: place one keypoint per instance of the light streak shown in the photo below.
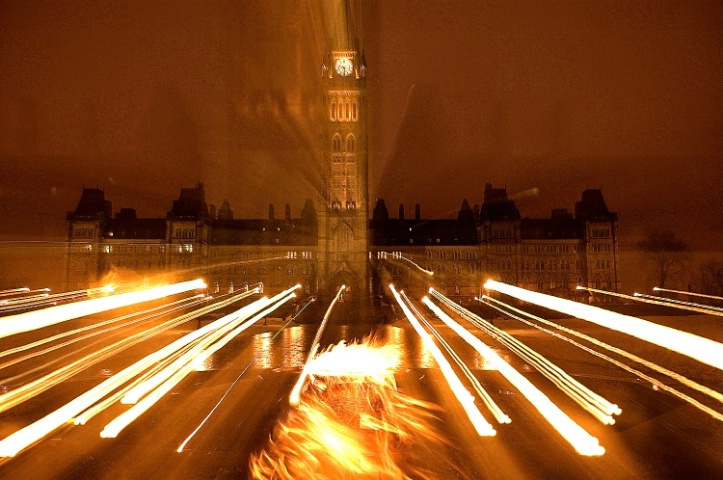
(43, 299)
(714, 297)
(25, 322)
(593, 403)
(62, 335)
(30, 434)
(465, 399)
(672, 303)
(183, 444)
(658, 384)
(295, 395)
(414, 264)
(581, 440)
(13, 291)
(189, 358)
(29, 390)
(182, 367)
(694, 346)
(668, 302)
(496, 411)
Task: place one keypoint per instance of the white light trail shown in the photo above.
(466, 400)
(680, 304)
(295, 395)
(496, 411)
(655, 382)
(13, 291)
(399, 256)
(182, 302)
(29, 390)
(189, 358)
(183, 444)
(27, 436)
(581, 440)
(593, 403)
(182, 367)
(668, 302)
(694, 346)
(713, 297)
(25, 322)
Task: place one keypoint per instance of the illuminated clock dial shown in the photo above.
(343, 67)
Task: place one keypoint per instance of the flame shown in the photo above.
(351, 422)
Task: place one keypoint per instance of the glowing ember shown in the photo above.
(350, 423)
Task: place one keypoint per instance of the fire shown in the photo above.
(351, 422)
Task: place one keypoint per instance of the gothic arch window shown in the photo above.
(565, 283)
(336, 143)
(609, 284)
(354, 114)
(597, 282)
(348, 112)
(525, 281)
(539, 284)
(350, 144)
(333, 111)
(343, 238)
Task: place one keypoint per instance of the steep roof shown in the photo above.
(497, 206)
(592, 207)
(92, 204)
(190, 204)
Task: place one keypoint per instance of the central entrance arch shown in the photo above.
(350, 293)
(347, 309)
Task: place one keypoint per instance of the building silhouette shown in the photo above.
(552, 255)
(335, 242)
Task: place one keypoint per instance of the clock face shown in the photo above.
(343, 67)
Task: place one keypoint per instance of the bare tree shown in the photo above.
(668, 254)
(708, 278)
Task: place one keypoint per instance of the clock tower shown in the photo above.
(343, 214)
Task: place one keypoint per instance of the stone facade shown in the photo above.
(552, 255)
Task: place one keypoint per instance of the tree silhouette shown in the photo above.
(668, 253)
(708, 278)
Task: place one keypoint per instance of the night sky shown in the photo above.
(141, 98)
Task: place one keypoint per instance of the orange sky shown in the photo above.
(140, 98)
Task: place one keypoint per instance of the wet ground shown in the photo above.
(657, 436)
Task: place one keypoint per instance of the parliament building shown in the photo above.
(335, 241)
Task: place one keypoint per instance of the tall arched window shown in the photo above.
(354, 114)
(609, 283)
(539, 284)
(337, 143)
(333, 111)
(348, 112)
(343, 238)
(350, 146)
